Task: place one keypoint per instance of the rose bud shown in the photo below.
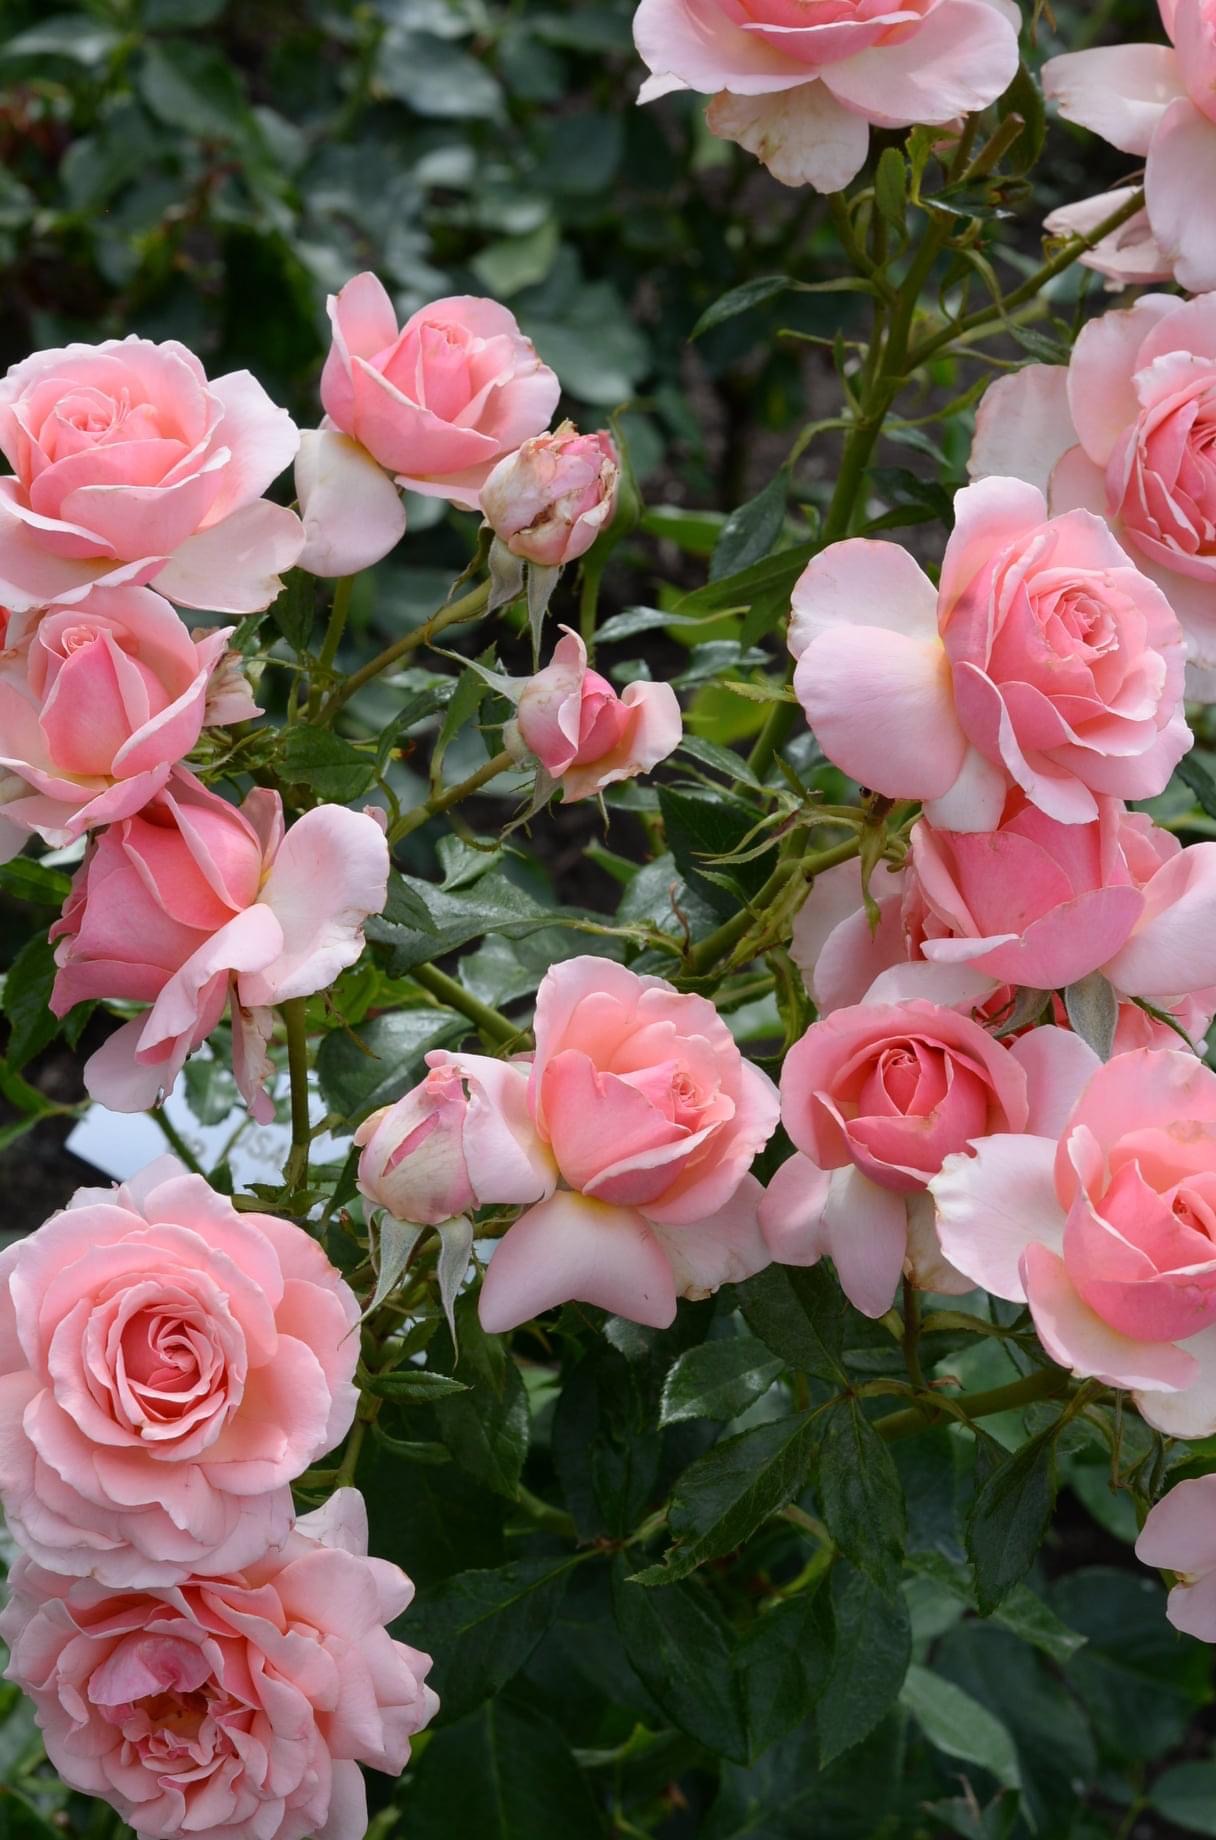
(586, 736)
(549, 501)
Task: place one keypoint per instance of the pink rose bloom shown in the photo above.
(1126, 430)
(1180, 1536)
(1107, 1229)
(461, 1139)
(649, 1118)
(352, 510)
(167, 1368)
(1033, 903)
(549, 501)
(875, 1098)
(1158, 102)
(192, 902)
(437, 402)
(130, 466)
(239, 1708)
(584, 735)
(1044, 660)
(799, 82)
(96, 707)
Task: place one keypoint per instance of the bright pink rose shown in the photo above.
(169, 1366)
(1033, 903)
(587, 737)
(649, 1118)
(96, 707)
(1044, 660)
(129, 466)
(461, 1139)
(192, 901)
(440, 400)
(1108, 1230)
(1158, 102)
(879, 1095)
(1128, 430)
(798, 82)
(549, 501)
(1180, 1536)
(238, 1708)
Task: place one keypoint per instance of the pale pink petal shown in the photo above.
(1173, 948)
(1058, 1066)
(951, 986)
(866, 1228)
(976, 799)
(724, 1248)
(1023, 425)
(260, 437)
(1078, 484)
(833, 945)
(881, 706)
(115, 1078)
(1129, 256)
(803, 136)
(569, 1249)
(352, 512)
(1190, 1411)
(1119, 91)
(1180, 188)
(697, 41)
(330, 873)
(1180, 1532)
(962, 58)
(925, 1264)
(1101, 374)
(987, 515)
(862, 583)
(235, 566)
(1076, 1336)
(791, 1213)
(994, 1203)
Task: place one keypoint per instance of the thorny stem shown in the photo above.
(333, 638)
(716, 945)
(1044, 1383)
(468, 607)
(443, 801)
(497, 1028)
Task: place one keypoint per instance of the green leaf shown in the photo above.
(481, 1627)
(28, 880)
(493, 905)
(330, 766)
(414, 1385)
(742, 299)
(723, 1497)
(891, 187)
(781, 1662)
(362, 1069)
(500, 1774)
(870, 1644)
(27, 998)
(959, 1726)
(66, 35)
(435, 78)
(718, 1380)
(1024, 98)
(296, 608)
(786, 1796)
(194, 89)
(18, 1821)
(1009, 1516)
(1093, 1011)
(775, 575)
(751, 530)
(1194, 774)
(486, 1429)
(211, 1091)
(703, 826)
(683, 1651)
(606, 1443)
(395, 1241)
(860, 1496)
(800, 1313)
(1186, 1795)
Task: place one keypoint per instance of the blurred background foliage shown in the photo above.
(209, 171)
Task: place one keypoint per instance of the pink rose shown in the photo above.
(1044, 660)
(1107, 1228)
(879, 1095)
(799, 84)
(649, 1118)
(587, 737)
(352, 510)
(1127, 430)
(234, 1707)
(129, 466)
(192, 901)
(1033, 902)
(1159, 102)
(96, 707)
(1180, 1536)
(439, 401)
(550, 500)
(461, 1139)
(169, 1366)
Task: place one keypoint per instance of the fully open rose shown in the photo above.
(129, 465)
(1108, 1232)
(799, 84)
(96, 707)
(192, 902)
(237, 1706)
(167, 1368)
(1127, 431)
(1044, 660)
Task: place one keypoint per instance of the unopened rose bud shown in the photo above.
(549, 501)
(583, 733)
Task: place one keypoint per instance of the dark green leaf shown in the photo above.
(682, 1649)
(1024, 98)
(1194, 774)
(959, 1726)
(28, 880)
(859, 1494)
(751, 530)
(871, 1645)
(363, 1069)
(703, 826)
(65, 35)
(195, 89)
(482, 1626)
(606, 1443)
(775, 575)
(296, 608)
(500, 1774)
(800, 1314)
(786, 1796)
(781, 1663)
(330, 766)
(27, 997)
(1009, 1517)
(1186, 1795)
(18, 1821)
(741, 300)
(486, 1429)
(414, 1385)
(718, 1380)
(435, 78)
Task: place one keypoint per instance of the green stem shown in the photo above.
(177, 1142)
(443, 801)
(716, 945)
(496, 1027)
(911, 1335)
(469, 607)
(338, 615)
(1044, 1383)
(294, 1013)
(588, 605)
